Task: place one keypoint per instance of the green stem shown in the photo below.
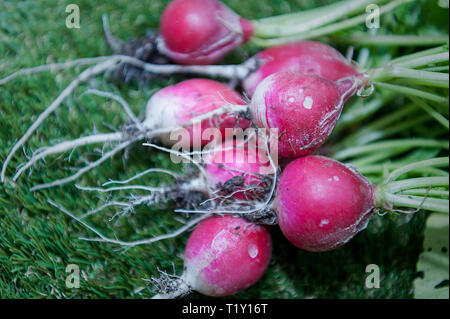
(309, 14)
(281, 28)
(419, 202)
(380, 168)
(432, 112)
(361, 110)
(393, 144)
(434, 79)
(417, 55)
(435, 162)
(376, 135)
(423, 61)
(363, 39)
(413, 92)
(424, 82)
(377, 129)
(437, 68)
(395, 187)
(332, 28)
(426, 191)
(375, 157)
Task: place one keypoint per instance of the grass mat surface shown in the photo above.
(37, 241)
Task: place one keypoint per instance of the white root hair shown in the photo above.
(156, 195)
(105, 138)
(169, 286)
(141, 174)
(247, 207)
(105, 63)
(54, 67)
(102, 238)
(113, 42)
(85, 169)
(104, 206)
(66, 146)
(219, 201)
(122, 102)
(84, 76)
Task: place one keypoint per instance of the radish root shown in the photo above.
(102, 238)
(128, 136)
(108, 63)
(169, 286)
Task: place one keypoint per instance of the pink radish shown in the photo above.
(240, 166)
(203, 31)
(321, 203)
(305, 56)
(303, 107)
(200, 31)
(178, 114)
(233, 174)
(183, 102)
(223, 256)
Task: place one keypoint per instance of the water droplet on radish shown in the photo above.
(221, 241)
(308, 102)
(324, 222)
(253, 251)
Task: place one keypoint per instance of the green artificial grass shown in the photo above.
(37, 241)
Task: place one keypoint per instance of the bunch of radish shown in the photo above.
(223, 256)
(320, 205)
(234, 175)
(199, 32)
(297, 94)
(308, 74)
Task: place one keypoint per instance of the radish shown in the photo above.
(188, 108)
(293, 103)
(223, 256)
(233, 176)
(295, 140)
(234, 173)
(233, 179)
(181, 103)
(203, 31)
(240, 169)
(304, 108)
(200, 31)
(321, 204)
(304, 56)
(323, 60)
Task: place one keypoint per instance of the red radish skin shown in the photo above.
(321, 204)
(232, 160)
(180, 103)
(305, 56)
(225, 255)
(302, 106)
(201, 31)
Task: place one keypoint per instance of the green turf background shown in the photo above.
(37, 242)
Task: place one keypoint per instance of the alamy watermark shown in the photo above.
(373, 16)
(73, 17)
(372, 19)
(373, 277)
(73, 277)
(250, 146)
